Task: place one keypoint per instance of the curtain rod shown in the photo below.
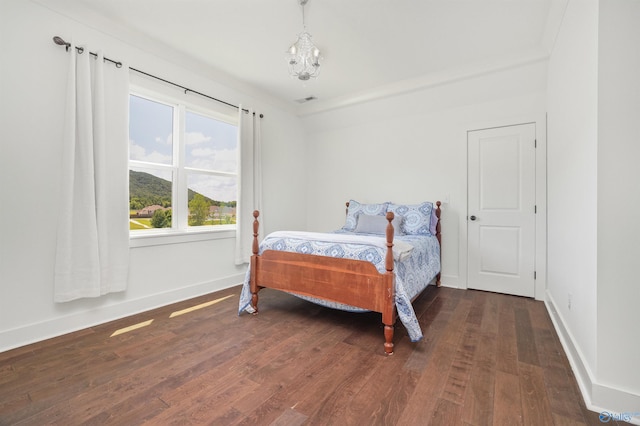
(59, 41)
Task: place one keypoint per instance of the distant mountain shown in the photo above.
(146, 190)
(145, 186)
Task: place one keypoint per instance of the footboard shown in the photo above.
(348, 281)
(352, 282)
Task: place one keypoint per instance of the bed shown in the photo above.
(380, 261)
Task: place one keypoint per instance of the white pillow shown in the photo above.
(376, 224)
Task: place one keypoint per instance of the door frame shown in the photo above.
(540, 196)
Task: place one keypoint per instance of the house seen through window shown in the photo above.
(183, 167)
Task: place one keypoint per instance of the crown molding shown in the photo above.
(425, 82)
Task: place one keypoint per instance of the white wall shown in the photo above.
(593, 198)
(413, 147)
(572, 176)
(32, 87)
(619, 199)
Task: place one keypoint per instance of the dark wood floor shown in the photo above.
(485, 359)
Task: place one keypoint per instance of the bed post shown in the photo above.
(439, 237)
(254, 261)
(389, 313)
(388, 260)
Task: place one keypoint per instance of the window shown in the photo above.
(183, 168)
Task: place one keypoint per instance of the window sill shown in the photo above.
(164, 237)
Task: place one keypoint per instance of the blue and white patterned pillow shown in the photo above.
(417, 217)
(355, 208)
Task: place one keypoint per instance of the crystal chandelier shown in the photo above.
(303, 56)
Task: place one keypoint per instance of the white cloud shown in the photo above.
(203, 152)
(222, 160)
(139, 153)
(217, 188)
(156, 157)
(167, 141)
(193, 138)
(136, 152)
(226, 160)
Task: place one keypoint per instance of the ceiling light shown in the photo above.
(303, 56)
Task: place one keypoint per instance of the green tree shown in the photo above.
(161, 219)
(135, 204)
(198, 210)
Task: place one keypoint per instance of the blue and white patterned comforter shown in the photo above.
(416, 263)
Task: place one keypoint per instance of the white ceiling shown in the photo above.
(368, 45)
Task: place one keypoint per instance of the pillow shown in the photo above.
(375, 224)
(355, 208)
(417, 217)
(434, 222)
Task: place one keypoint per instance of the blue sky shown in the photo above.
(150, 131)
(209, 145)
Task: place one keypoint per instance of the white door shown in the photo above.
(501, 209)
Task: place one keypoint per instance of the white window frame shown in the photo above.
(180, 231)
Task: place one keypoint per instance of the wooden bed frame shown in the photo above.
(323, 277)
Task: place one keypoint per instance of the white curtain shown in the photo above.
(92, 254)
(249, 183)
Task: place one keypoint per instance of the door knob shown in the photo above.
(472, 217)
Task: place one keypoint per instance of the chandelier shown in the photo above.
(303, 56)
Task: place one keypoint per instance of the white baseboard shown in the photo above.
(450, 281)
(36, 332)
(611, 403)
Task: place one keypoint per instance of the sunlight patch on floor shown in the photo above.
(131, 328)
(200, 306)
